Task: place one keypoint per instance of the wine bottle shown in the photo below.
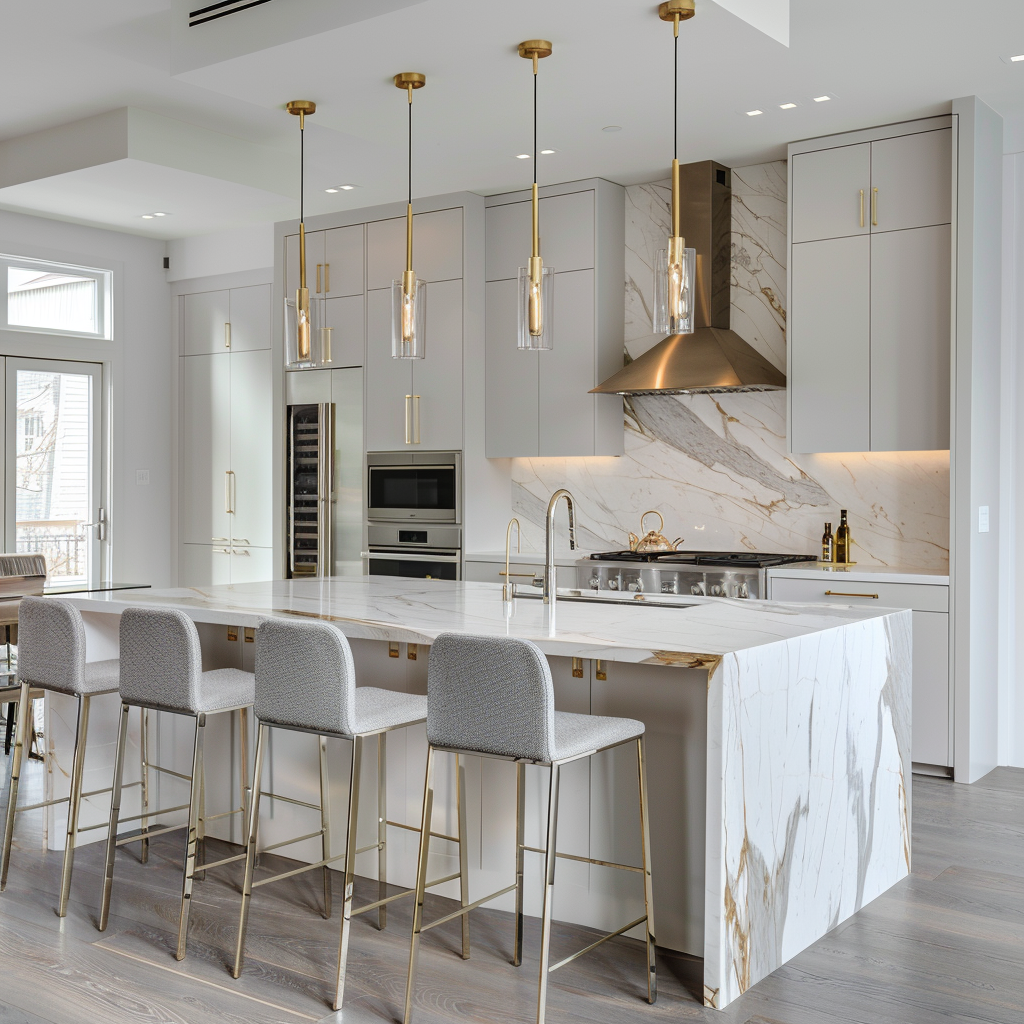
(843, 541)
(828, 545)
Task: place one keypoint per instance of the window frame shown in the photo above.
(104, 296)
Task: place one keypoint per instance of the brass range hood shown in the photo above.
(714, 358)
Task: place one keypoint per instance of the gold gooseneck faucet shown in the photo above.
(550, 583)
(303, 329)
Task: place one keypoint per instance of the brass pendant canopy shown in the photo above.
(681, 9)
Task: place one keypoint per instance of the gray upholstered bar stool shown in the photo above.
(51, 656)
(162, 670)
(493, 697)
(306, 682)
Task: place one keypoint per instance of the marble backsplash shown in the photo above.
(716, 466)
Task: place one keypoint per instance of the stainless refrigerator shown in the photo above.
(324, 486)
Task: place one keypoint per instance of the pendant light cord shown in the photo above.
(302, 171)
(535, 127)
(410, 147)
(675, 100)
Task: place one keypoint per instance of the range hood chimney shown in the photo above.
(714, 358)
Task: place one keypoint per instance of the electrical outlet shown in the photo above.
(142, 477)
(983, 526)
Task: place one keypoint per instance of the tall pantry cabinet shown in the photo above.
(870, 289)
(225, 436)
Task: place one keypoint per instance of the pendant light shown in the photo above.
(675, 269)
(305, 346)
(409, 296)
(536, 282)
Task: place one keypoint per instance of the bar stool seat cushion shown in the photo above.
(224, 688)
(378, 709)
(98, 677)
(578, 734)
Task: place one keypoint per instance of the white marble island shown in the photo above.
(778, 736)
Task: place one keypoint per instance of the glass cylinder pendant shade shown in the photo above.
(307, 338)
(675, 290)
(408, 317)
(536, 310)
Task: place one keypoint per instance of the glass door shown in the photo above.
(55, 504)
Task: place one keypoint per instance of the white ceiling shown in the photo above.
(882, 60)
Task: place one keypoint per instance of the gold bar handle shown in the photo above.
(327, 279)
(862, 207)
(842, 593)
(227, 491)
(227, 335)
(319, 267)
(408, 419)
(874, 207)
(416, 419)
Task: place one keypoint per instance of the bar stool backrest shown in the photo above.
(51, 644)
(161, 660)
(305, 677)
(492, 694)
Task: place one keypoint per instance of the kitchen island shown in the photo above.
(778, 743)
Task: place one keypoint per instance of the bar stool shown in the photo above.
(493, 697)
(161, 670)
(51, 656)
(306, 682)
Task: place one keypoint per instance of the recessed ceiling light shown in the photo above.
(546, 152)
(612, 128)
(787, 106)
(754, 113)
(1020, 56)
(522, 156)
(822, 99)
(332, 190)
(346, 188)
(159, 214)
(147, 216)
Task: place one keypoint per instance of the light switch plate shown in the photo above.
(142, 477)
(983, 526)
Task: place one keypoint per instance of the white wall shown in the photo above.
(226, 252)
(139, 363)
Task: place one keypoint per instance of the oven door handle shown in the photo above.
(403, 556)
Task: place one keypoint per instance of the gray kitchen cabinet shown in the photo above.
(869, 304)
(205, 316)
(538, 403)
(347, 319)
(334, 262)
(931, 702)
(830, 184)
(830, 369)
(416, 403)
(910, 339)
(437, 248)
(251, 399)
(249, 316)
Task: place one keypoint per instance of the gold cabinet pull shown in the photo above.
(319, 267)
(601, 670)
(392, 649)
(227, 335)
(408, 419)
(862, 207)
(250, 634)
(232, 634)
(411, 652)
(416, 419)
(874, 207)
(577, 668)
(327, 278)
(229, 492)
(842, 593)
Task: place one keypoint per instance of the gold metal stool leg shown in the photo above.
(421, 880)
(325, 824)
(382, 828)
(460, 786)
(144, 757)
(350, 868)
(192, 842)
(517, 956)
(645, 839)
(550, 859)
(115, 812)
(245, 793)
(74, 805)
(17, 758)
(252, 831)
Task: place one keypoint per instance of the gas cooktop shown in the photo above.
(735, 559)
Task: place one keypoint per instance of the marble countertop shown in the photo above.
(697, 634)
(864, 573)
(525, 557)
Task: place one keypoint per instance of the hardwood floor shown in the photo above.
(947, 944)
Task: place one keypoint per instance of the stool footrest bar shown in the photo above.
(154, 813)
(398, 895)
(594, 945)
(290, 800)
(137, 837)
(224, 814)
(588, 860)
(466, 910)
(221, 862)
(168, 771)
(416, 828)
(289, 842)
(298, 871)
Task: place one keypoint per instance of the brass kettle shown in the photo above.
(653, 540)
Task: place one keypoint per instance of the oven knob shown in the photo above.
(697, 590)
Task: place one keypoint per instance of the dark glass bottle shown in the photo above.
(843, 541)
(828, 545)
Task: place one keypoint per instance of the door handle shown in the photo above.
(227, 335)
(862, 207)
(408, 419)
(874, 207)
(842, 593)
(327, 278)
(416, 419)
(319, 268)
(229, 492)
(100, 524)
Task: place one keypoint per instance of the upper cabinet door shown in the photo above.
(250, 318)
(205, 316)
(437, 248)
(252, 438)
(912, 181)
(830, 346)
(388, 381)
(314, 258)
(347, 320)
(831, 193)
(204, 493)
(437, 378)
(910, 339)
(343, 261)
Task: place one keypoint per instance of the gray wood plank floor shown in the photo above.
(947, 944)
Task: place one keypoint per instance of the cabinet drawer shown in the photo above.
(921, 597)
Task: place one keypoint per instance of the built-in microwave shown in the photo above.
(421, 487)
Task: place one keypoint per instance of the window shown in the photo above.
(53, 298)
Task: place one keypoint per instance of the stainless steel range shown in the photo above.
(741, 574)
